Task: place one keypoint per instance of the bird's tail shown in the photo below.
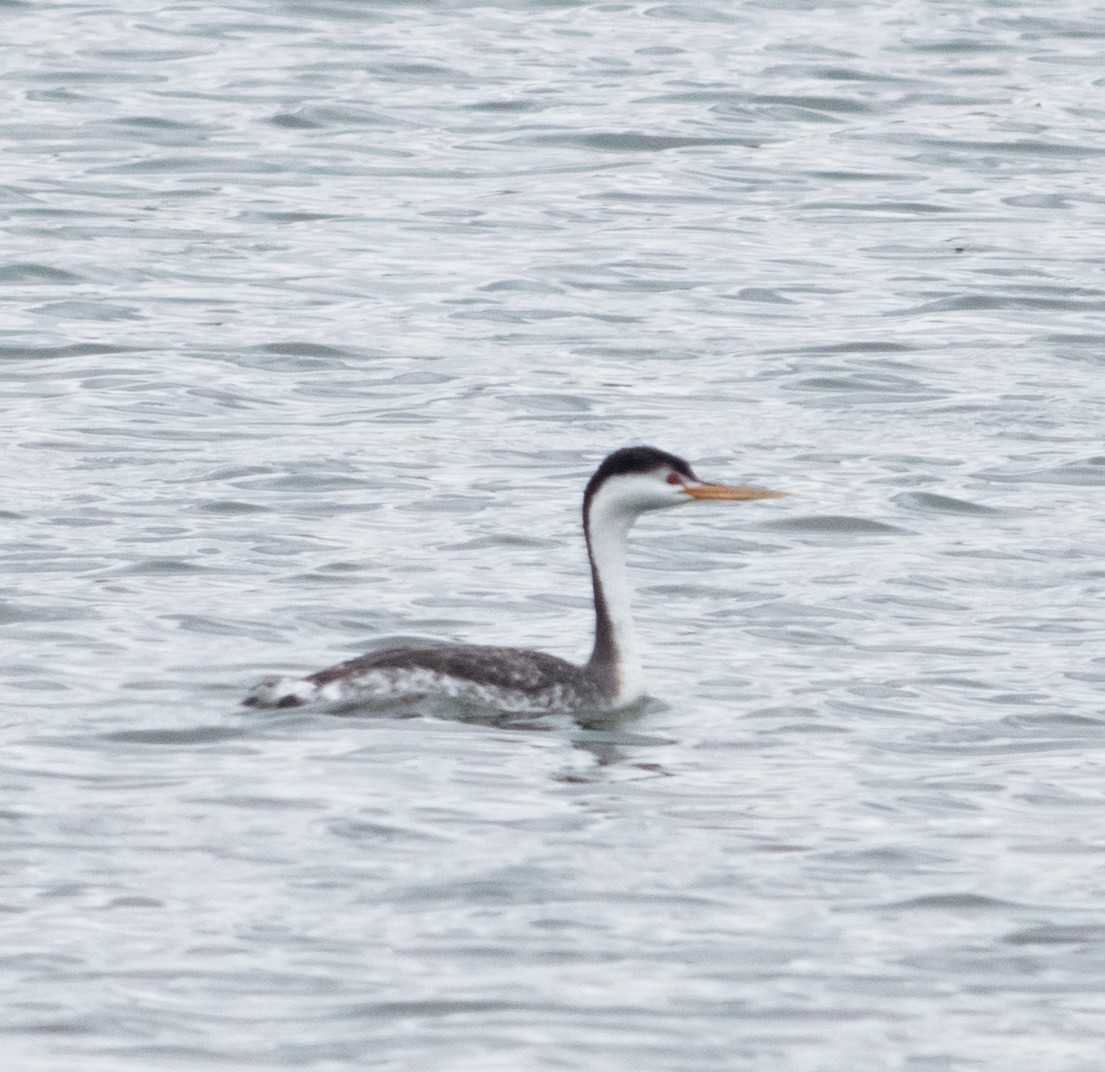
(281, 692)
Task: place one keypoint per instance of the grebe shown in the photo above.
(627, 483)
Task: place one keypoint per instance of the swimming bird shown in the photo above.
(628, 483)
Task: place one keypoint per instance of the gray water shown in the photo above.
(316, 317)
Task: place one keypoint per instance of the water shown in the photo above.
(316, 318)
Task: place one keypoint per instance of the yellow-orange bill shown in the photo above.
(723, 491)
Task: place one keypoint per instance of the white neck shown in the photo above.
(616, 639)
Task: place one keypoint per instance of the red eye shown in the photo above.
(674, 478)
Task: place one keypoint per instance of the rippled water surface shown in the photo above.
(316, 316)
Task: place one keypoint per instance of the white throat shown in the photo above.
(608, 526)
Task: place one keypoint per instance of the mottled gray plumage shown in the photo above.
(530, 674)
